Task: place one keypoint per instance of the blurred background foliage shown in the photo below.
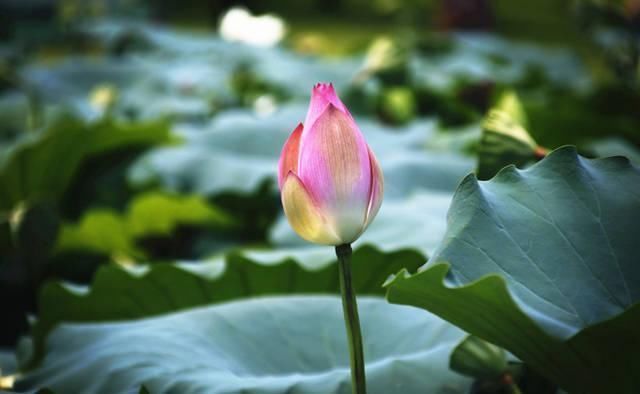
(146, 132)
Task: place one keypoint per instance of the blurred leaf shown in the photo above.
(478, 359)
(387, 59)
(575, 119)
(100, 230)
(397, 105)
(118, 293)
(185, 73)
(148, 214)
(267, 345)
(543, 264)
(248, 86)
(445, 106)
(8, 363)
(41, 167)
(70, 81)
(99, 182)
(6, 233)
(505, 139)
(614, 146)
(31, 232)
(14, 115)
(154, 213)
(545, 21)
(253, 213)
(481, 57)
(238, 151)
(509, 103)
(36, 232)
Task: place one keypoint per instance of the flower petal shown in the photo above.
(321, 96)
(304, 215)
(289, 156)
(335, 168)
(377, 190)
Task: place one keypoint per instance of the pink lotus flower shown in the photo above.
(330, 182)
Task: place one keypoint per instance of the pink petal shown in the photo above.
(306, 218)
(321, 96)
(377, 190)
(288, 161)
(335, 167)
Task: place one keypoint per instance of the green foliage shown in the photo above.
(35, 174)
(548, 257)
(479, 359)
(267, 345)
(148, 214)
(530, 256)
(119, 293)
(397, 105)
(41, 167)
(562, 118)
(101, 231)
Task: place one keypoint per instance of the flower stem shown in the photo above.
(351, 320)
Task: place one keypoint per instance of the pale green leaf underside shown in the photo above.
(274, 345)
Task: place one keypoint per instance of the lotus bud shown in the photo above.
(330, 182)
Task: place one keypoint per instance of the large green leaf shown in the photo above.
(41, 167)
(543, 263)
(266, 345)
(118, 293)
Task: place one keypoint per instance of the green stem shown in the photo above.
(351, 320)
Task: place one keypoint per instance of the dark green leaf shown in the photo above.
(42, 167)
(478, 359)
(118, 294)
